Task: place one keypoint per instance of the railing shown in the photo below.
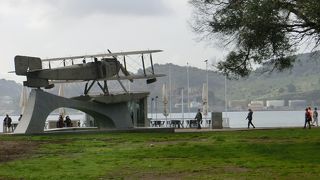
(179, 123)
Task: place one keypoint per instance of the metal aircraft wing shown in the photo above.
(152, 76)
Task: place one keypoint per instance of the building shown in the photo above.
(297, 104)
(238, 104)
(256, 105)
(274, 103)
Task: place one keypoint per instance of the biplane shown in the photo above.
(103, 67)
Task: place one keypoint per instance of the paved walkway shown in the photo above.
(152, 129)
(178, 130)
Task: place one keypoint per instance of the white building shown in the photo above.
(297, 103)
(275, 103)
(238, 104)
(256, 105)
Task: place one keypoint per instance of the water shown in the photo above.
(236, 119)
(267, 119)
(260, 118)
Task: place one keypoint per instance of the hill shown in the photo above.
(300, 82)
(9, 96)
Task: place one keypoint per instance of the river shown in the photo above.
(236, 119)
(260, 118)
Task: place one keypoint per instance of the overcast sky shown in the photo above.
(55, 28)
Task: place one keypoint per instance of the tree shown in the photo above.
(281, 90)
(291, 88)
(258, 31)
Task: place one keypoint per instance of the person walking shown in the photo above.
(307, 119)
(198, 118)
(315, 116)
(249, 117)
(20, 117)
(311, 113)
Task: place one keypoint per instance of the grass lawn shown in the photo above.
(254, 154)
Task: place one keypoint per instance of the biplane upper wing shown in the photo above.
(103, 55)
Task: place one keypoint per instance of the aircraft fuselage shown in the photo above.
(86, 71)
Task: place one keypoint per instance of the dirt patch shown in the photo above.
(10, 150)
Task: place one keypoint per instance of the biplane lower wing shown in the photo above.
(129, 77)
(132, 77)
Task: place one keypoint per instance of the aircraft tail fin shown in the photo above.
(23, 64)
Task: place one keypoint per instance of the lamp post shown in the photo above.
(156, 108)
(152, 99)
(225, 94)
(206, 61)
(226, 102)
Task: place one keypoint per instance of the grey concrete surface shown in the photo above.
(110, 113)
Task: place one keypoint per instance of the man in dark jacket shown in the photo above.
(7, 124)
(199, 119)
(68, 121)
(249, 117)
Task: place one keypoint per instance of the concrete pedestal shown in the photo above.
(108, 111)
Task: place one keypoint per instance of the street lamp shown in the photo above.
(152, 99)
(207, 90)
(207, 71)
(156, 108)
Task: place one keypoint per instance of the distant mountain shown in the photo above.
(300, 82)
(9, 96)
(297, 83)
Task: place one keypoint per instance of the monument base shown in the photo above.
(122, 111)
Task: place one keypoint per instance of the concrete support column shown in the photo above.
(108, 111)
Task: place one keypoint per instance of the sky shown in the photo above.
(58, 28)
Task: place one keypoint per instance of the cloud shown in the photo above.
(83, 8)
(117, 7)
(43, 13)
